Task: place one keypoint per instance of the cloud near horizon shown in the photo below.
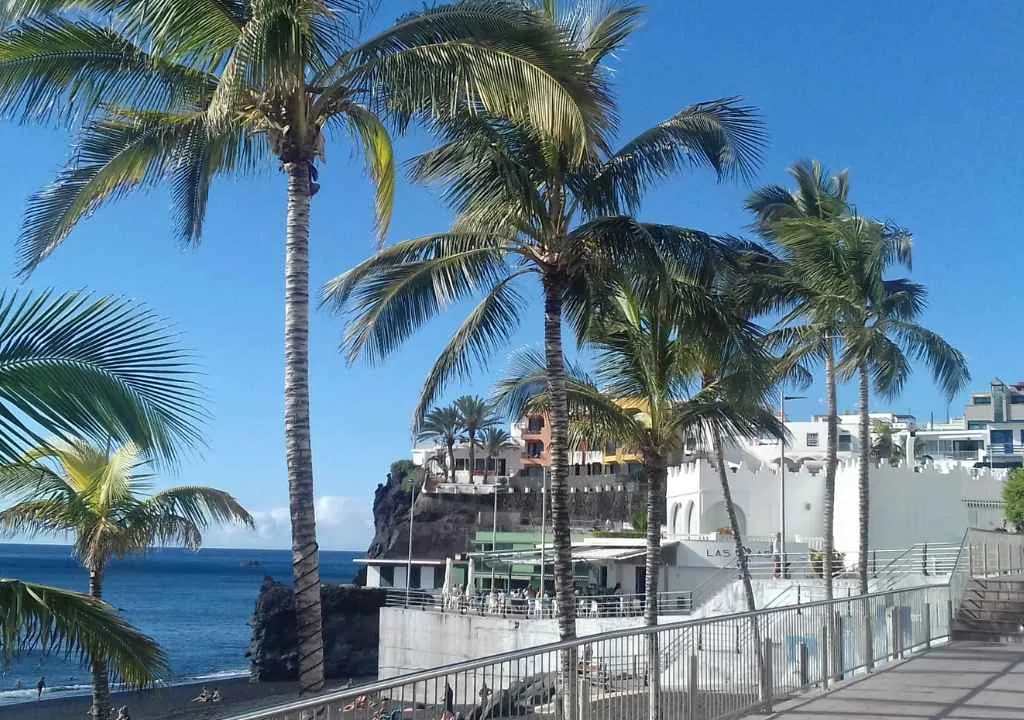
(342, 523)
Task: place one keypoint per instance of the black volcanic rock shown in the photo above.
(351, 632)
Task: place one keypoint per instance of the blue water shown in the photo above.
(195, 605)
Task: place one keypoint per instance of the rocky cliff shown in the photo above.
(446, 523)
(351, 632)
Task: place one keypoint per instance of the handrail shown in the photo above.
(504, 659)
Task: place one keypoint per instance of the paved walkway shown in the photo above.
(961, 681)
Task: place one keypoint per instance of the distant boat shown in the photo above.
(250, 563)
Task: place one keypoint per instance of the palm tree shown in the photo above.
(443, 424)
(476, 416)
(884, 447)
(779, 212)
(102, 499)
(648, 395)
(881, 333)
(495, 440)
(77, 627)
(527, 206)
(102, 368)
(185, 92)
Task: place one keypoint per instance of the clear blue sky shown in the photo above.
(921, 101)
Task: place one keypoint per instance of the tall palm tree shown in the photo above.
(101, 498)
(494, 441)
(476, 416)
(527, 206)
(881, 333)
(779, 212)
(443, 424)
(78, 627)
(182, 93)
(73, 364)
(646, 394)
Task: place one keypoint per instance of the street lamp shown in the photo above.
(782, 479)
(408, 561)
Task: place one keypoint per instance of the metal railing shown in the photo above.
(515, 606)
(705, 669)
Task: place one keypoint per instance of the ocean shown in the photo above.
(195, 605)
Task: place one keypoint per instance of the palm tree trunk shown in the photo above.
(100, 709)
(863, 489)
(305, 552)
(741, 557)
(831, 463)
(862, 480)
(657, 472)
(559, 454)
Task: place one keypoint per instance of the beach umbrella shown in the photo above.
(469, 577)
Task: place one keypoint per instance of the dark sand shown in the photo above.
(167, 703)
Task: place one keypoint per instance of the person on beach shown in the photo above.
(40, 686)
(216, 695)
(122, 713)
(203, 696)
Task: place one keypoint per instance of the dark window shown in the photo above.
(415, 573)
(535, 424)
(845, 442)
(812, 439)
(387, 576)
(1016, 399)
(610, 448)
(460, 463)
(604, 576)
(976, 424)
(982, 399)
(480, 462)
(1001, 437)
(534, 448)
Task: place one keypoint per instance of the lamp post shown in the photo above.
(782, 481)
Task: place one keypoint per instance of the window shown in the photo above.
(812, 439)
(415, 573)
(982, 399)
(460, 463)
(480, 464)
(845, 442)
(535, 424)
(534, 448)
(387, 576)
(1017, 399)
(610, 448)
(691, 445)
(603, 582)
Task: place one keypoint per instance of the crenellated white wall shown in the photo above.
(906, 507)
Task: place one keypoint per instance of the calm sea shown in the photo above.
(195, 605)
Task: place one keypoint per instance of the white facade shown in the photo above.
(907, 505)
(506, 464)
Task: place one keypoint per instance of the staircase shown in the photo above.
(991, 610)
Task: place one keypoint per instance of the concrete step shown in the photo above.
(989, 624)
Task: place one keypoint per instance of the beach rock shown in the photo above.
(351, 632)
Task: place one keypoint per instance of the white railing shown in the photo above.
(516, 606)
(707, 669)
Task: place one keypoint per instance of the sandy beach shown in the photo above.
(167, 703)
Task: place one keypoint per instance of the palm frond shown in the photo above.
(101, 368)
(199, 505)
(66, 69)
(947, 364)
(77, 627)
(723, 135)
(395, 301)
(608, 32)
(492, 52)
(380, 159)
(484, 330)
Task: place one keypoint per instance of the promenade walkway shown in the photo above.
(960, 681)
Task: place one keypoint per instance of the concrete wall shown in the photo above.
(413, 640)
(906, 506)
